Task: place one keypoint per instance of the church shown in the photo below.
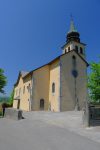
(60, 85)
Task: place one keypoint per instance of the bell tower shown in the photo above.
(73, 41)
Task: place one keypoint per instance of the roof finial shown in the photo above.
(72, 26)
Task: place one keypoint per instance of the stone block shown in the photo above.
(12, 113)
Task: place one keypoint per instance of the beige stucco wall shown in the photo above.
(15, 103)
(16, 93)
(24, 96)
(54, 98)
(40, 88)
(68, 82)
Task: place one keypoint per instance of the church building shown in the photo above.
(60, 85)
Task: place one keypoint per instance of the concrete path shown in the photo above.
(43, 131)
(71, 120)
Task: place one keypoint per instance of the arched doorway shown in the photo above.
(18, 104)
(41, 104)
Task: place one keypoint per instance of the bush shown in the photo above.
(5, 105)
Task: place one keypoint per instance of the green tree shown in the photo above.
(94, 82)
(3, 80)
(11, 98)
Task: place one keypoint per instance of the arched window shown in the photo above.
(53, 87)
(76, 48)
(23, 89)
(68, 48)
(81, 50)
(41, 104)
(74, 61)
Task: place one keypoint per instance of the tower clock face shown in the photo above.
(75, 73)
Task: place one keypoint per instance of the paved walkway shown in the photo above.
(44, 131)
(71, 120)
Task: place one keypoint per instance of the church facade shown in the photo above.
(60, 85)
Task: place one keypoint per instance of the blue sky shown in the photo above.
(32, 32)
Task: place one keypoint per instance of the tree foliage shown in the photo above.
(3, 80)
(94, 82)
(11, 98)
